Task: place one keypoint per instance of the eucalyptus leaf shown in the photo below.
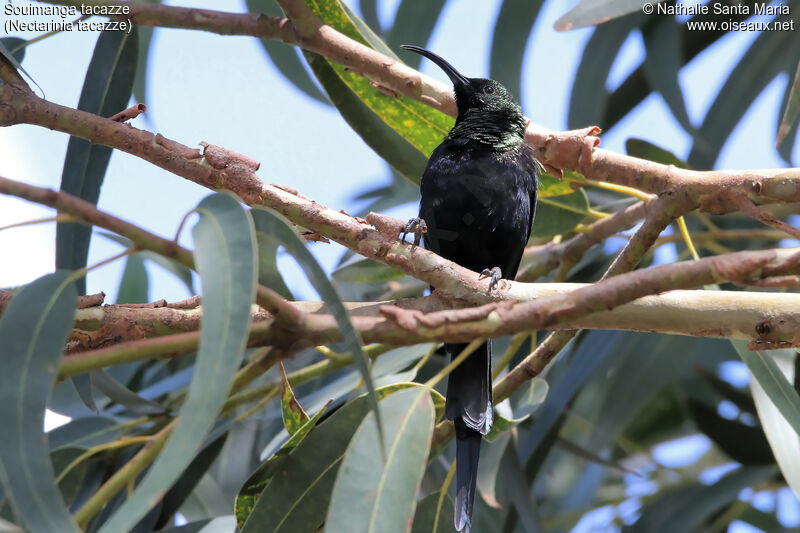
(286, 58)
(559, 214)
(377, 495)
(106, 91)
(224, 240)
(277, 226)
(781, 434)
(663, 63)
(591, 12)
(767, 56)
(512, 28)
(434, 514)
(589, 96)
(33, 331)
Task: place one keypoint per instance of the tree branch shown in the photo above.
(571, 150)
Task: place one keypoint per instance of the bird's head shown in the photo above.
(478, 94)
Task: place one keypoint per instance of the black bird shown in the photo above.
(478, 201)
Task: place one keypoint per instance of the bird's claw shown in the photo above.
(494, 274)
(417, 226)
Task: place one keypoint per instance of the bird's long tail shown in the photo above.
(469, 405)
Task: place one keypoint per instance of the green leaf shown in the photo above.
(252, 488)
(84, 433)
(71, 483)
(791, 109)
(647, 150)
(685, 508)
(134, 285)
(224, 240)
(589, 96)
(294, 417)
(122, 395)
(769, 376)
(14, 54)
(591, 12)
(268, 273)
(557, 215)
(489, 465)
(145, 40)
(413, 24)
(376, 495)
(14, 48)
(431, 517)
(529, 398)
(33, 331)
(511, 29)
(277, 226)
(767, 56)
(663, 63)
(186, 483)
(782, 436)
(366, 271)
(420, 125)
(178, 270)
(387, 143)
(106, 91)
(83, 386)
(369, 10)
(284, 57)
(366, 32)
(744, 444)
(549, 185)
(296, 500)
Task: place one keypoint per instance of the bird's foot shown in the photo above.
(494, 274)
(417, 226)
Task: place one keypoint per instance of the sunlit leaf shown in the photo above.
(373, 494)
(765, 370)
(782, 435)
(252, 488)
(420, 125)
(559, 214)
(296, 500)
(294, 417)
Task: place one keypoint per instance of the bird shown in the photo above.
(478, 200)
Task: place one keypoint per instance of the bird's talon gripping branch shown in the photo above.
(495, 274)
(417, 226)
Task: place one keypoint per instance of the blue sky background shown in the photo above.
(223, 90)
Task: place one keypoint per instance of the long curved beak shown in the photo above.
(458, 79)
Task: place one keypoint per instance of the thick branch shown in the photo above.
(771, 318)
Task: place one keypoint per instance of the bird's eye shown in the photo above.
(488, 89)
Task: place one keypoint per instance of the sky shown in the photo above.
(222, 90)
